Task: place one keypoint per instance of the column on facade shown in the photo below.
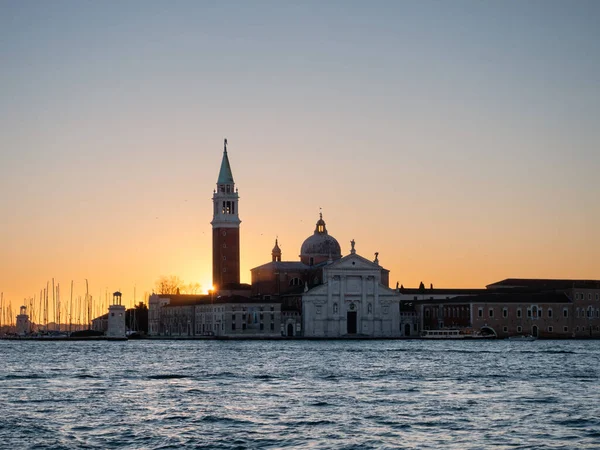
(376, 305)
(364, 291)
(330, 292)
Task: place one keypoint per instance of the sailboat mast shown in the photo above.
(71, 310)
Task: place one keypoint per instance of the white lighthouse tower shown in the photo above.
(22, 321)
(116, 318)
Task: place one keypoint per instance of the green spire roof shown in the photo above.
(225, 175)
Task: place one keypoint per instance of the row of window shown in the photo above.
(533, 312)
(262, 326)
(589, 312)
(551, 329)
(581, 296)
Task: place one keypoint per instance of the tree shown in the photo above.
(169, 284)
(192, 288)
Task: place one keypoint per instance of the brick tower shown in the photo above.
(226, 228)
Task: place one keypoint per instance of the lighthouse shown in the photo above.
(116, 318)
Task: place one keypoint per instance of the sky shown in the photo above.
(460, 140)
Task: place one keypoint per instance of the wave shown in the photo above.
(31, 376)
(167, 376)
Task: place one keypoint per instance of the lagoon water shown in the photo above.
(299, 394)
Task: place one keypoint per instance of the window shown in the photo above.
(550, 329)
(112, 314)
(262, 326)
(228, 189)
(565, 312)
(549, 312)
(311, 261)
(480, 312)
(505, 312)
(369, 308)
(335, 308)
(534, 311)
(577, 329)
(295, 282)
(590, 296)
(224, 245)
(491, 312)
(224, 233)
(597, 297)
(427, 313)
(232, 326)
(505, 329)
(272, 326)
(266, 297)
(565, 329)
(519, 313)
(582, 328)
(244, 326)
(528, 312)
(519, 329)
(577, 313)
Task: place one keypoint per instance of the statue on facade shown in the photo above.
(352, 243)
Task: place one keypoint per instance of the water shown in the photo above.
(300, 394)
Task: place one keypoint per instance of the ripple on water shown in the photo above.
(299, 394)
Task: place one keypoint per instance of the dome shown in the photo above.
(320, 246)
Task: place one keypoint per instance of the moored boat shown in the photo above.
(522, 337)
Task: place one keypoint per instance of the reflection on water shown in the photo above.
(323, 394)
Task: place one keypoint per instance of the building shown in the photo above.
(353, 301)
(213, 315)
(284, 281)
(226, 229)
(116, 318)
(23, 324)
(539, 307)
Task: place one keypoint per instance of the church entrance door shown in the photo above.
(351, 320)
(290, 330)
(407, 329)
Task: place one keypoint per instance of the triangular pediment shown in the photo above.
(353, 261)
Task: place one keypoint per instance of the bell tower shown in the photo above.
(226, 228)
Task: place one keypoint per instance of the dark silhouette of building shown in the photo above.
(226, 229)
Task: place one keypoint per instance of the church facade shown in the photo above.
(353, 301)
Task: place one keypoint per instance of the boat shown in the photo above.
(522, 337)
(442, 334)
(455, 334)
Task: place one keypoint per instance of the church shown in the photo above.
(321, 295)
(354, 300)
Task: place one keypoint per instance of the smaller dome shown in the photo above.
(276, 252)
(276, 249)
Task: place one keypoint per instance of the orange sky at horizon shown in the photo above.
(459, 254)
